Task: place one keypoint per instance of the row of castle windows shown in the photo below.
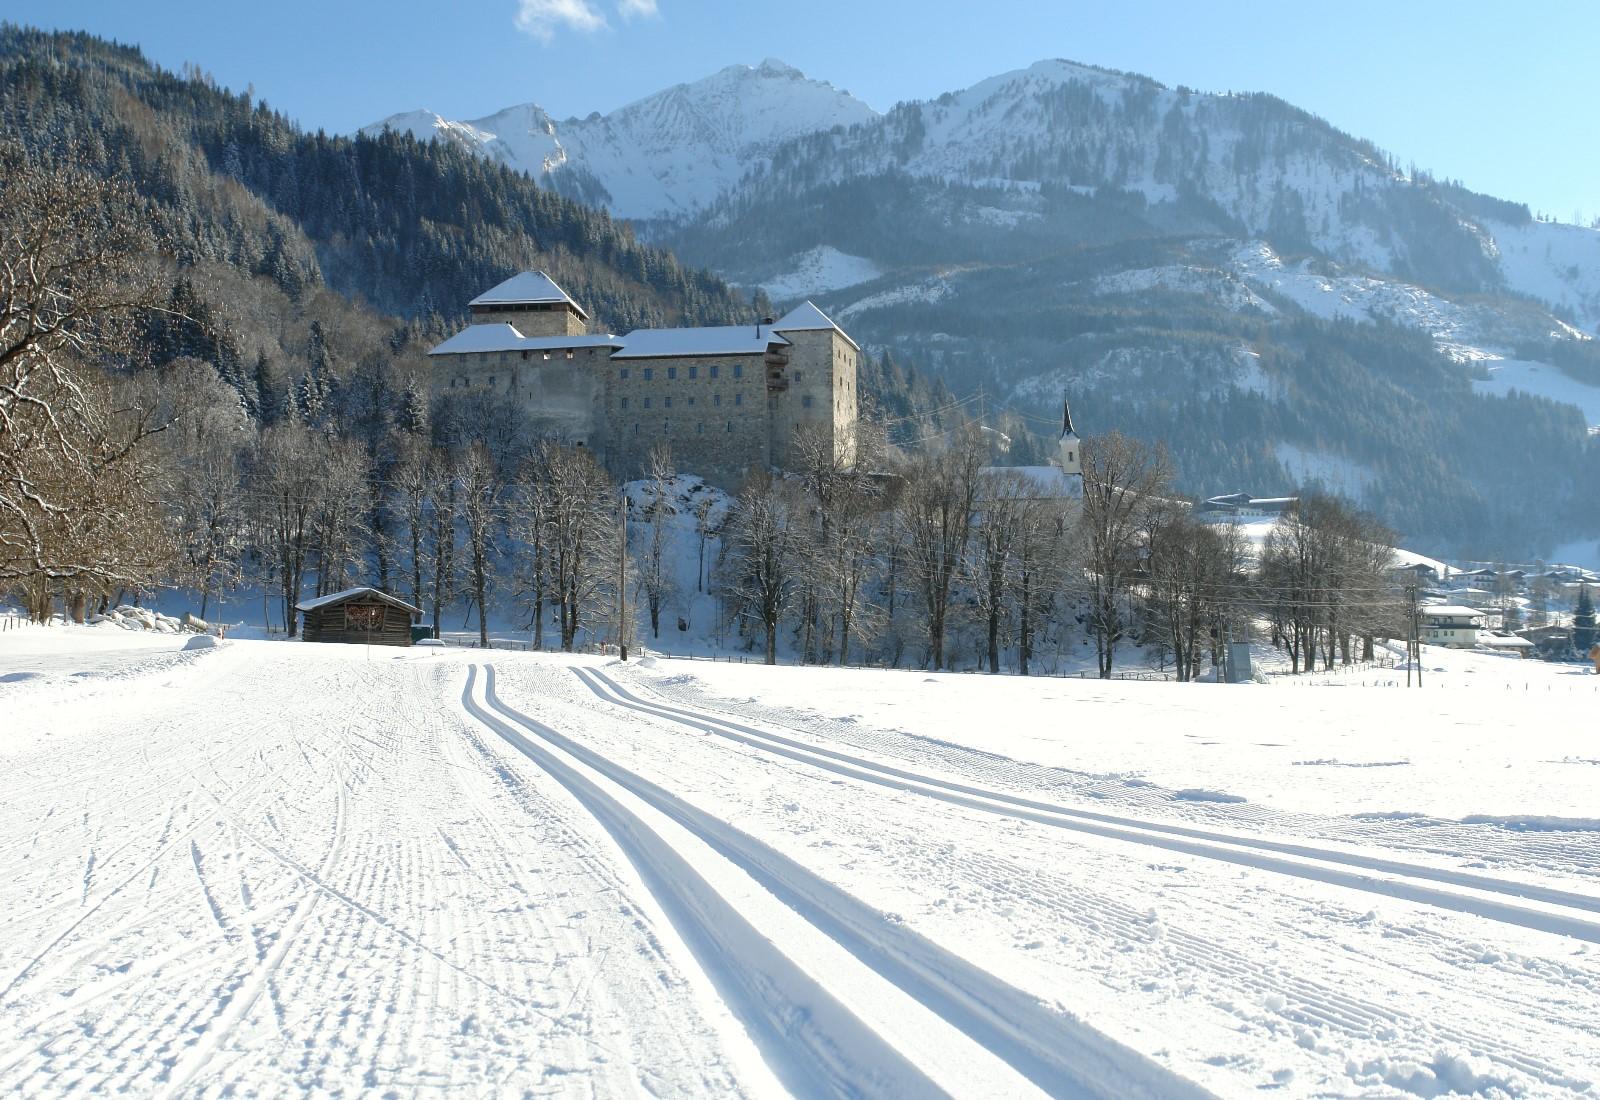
(699, 428)
(649, 373)
(716, 400)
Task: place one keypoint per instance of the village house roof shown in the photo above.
(1049, 482)
(500, 336)
(352, 593)
(1447, 610)
(527, 288)
(659, 343)
(806, 317)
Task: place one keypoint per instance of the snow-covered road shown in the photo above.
(279, 869)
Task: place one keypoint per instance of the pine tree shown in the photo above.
(1584, 633)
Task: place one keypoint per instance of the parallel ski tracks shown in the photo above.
(1566, 913)
(1057, 1053)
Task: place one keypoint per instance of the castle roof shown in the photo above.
(527, 288)
(500, 336)
(657, 343)
(807, 317)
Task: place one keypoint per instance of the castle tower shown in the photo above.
(534, 304)
(816, 388)
(1070, 447)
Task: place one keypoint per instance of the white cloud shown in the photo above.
(542, 18)
(636, 9)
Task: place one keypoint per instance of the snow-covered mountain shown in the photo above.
(666, 155)
(1183, 262)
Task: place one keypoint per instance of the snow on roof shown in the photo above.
(1050, 481)
(527, 288)
(655, 343)
(1451, 609)
(1503, 641)
(500, 336)
(806, 317)
(351, 593)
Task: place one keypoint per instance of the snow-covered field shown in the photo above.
(280, 869)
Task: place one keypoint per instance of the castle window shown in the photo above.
(523, 354)
(647, 402)
(729, 427)
(738, 370)
(672, 372)
(694, 371)
(691, 402)
(483, 357)
(798, 376)
(666, 402)
(635, 427)
(491, 380)
(547, 355)
(700, 428)
(713, 370)
(738, 399)
(716, 400)
(649, 373)
(806, 401)
(623, 374)
(624, 402)
(570, 354)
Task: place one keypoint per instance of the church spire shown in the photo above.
(1069, 447)
(1066, 418)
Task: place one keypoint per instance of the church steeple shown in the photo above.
(1069, 446)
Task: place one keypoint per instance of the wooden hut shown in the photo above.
(357, 615)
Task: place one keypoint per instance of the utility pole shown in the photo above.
(622, 576)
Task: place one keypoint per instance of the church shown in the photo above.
(727, 400)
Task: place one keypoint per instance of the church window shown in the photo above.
(714, 370)
(649, 373)
(694, 371)
(672, 372)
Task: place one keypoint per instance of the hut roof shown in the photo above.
(352, 593)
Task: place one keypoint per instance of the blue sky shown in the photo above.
(1502, 97)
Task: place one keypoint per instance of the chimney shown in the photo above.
(763, 321)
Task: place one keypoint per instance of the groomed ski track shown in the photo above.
(1481, 895)
(831, 1052)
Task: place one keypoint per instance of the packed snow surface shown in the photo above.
(275, 868)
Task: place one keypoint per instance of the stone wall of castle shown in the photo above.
(711, 410)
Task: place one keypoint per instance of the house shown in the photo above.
(1449, 625)
(727, 399)
(1549, 642)
(358, 615)
(1509, 644)
(1244, 506)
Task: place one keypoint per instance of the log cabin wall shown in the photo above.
(333, 623)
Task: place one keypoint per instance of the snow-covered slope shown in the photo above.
(662, 156)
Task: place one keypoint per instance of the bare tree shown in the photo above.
(288, 486)
(935, 513)
(78, 506)
(1121, 478)
(766, 526)
(655, 576)
(482, 505)
(581, 536)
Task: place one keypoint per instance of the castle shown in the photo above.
(728, 400)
